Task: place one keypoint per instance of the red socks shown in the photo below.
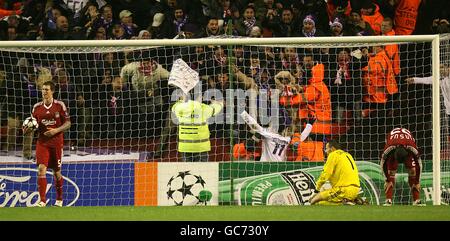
(42, 187)
(414, 191)
(59, 191)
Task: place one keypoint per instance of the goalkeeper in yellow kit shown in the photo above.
(341, 171)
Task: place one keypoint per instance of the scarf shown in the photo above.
(249, 24)
(342, 73)
(180, 24)
(145, 69)
(309, 34)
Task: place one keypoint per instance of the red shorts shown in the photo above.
(411, 163)
(49, 156)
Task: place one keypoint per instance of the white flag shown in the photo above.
(183, 76)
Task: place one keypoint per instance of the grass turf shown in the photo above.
(227, 213)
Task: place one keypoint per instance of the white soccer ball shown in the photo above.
(185, 188)
(31, 123)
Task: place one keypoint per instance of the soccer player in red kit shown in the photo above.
(401, 148)
(53, 118)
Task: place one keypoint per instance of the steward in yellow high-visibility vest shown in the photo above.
(193, 131)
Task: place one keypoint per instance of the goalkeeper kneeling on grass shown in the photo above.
(341, 172)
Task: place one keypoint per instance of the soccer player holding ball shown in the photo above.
(401, 148)
(53, 119)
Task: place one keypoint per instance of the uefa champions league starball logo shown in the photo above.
(186, 189)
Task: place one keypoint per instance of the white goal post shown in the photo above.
(316, 42)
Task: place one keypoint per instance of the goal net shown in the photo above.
(131, 140)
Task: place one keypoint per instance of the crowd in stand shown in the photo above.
(142, 19)
(120, 88)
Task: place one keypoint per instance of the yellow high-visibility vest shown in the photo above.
(193, 131)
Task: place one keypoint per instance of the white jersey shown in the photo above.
(445, 89)
(274, 146)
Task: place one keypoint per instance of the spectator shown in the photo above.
(105, 21)
(345, 84)
(318, 9)
(88, 19)
(317, 95)
(62, 31)
(100, 34)
(281, 26)
(392, 50)
(255, 32)
(239, 58)
(370, 12)
(49, 23)
(379, 83)
(263, 8)
(357, 26)
(405, 19)
(20, 23)
(176, 22)
(8, 12)
(11, 34)
(245, 25)
(230, 10)
(117, 106)
(309, 28)
(212, 29)
(21, 91)
(118, 32)
(156, 28)
(195, 57)
(143, 72)
(337, 28)
(67, 92)
(126, 21)
(146, 77)
(189, 30)
(219, 59)
(289, 59)
(35, 11)
(440, 26)
(338, 9)
(144, 34)
(74, 10)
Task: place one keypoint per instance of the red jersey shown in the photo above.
(52, 116)
(400, 137)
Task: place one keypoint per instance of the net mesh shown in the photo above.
(121, 106)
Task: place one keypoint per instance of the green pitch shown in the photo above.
(226, 213)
